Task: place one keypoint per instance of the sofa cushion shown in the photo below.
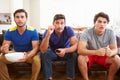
(19, 67)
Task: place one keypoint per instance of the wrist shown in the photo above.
(47, 36)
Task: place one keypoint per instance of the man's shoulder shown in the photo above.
(89, 30)
(12, 28)
(108, 29)
(30, 28)
(68, 27)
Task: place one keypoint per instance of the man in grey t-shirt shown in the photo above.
(98, 44)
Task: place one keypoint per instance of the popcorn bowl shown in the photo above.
(14, 56)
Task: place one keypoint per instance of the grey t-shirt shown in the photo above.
(95, 41)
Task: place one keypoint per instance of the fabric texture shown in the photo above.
(60, 42)
(22, 43)
(56, 42)
(95, 41)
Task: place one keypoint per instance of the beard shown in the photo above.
(21, 25)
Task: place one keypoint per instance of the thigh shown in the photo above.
(49, 54)
(101, 60)
(70, 56)
(3, 59)
(35, 58)
(83, 59)
(113, 59)
(91, 60)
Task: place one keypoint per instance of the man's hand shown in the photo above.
(50, 29)
(61, 53)
(101, 52)
(24, 58)
(5, 48)
(109, 52)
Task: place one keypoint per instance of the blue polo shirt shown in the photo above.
(63, 41)
(22, 43)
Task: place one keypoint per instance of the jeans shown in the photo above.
(49, 55)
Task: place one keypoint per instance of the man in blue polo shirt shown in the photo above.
(24, 39)
(59, 42)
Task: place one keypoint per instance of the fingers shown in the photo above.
(108, 52)
(4, 48)
(60, 54)
(101, 52)
(50, 29)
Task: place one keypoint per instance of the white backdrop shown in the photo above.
(79, 12)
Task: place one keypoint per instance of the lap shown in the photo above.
(3, 59)
(101, 60)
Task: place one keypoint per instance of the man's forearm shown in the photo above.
(44, 45)
(32, 52)
(114, 51)
(73, 48)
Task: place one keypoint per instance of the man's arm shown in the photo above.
(84, 51)
(35, 45)
(112, 50)
(45, 43)
(5, 46)
(30, 54)
(73, 47)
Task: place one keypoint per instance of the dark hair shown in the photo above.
(59, 16)
(19, 11)
(101, 14)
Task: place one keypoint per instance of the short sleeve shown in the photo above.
(112, 38)
(7, 36)
(44, 34)
(84, 36)
(70, 31)
(35, 35)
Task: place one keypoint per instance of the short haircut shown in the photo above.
(19, 11)
(59, 16)
(101, 14)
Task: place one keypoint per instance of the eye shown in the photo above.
(16, 16)
(99, 21)
(62, 23)
(105, 22)
(22, 16)
(57, 22)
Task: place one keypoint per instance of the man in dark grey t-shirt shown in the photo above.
(98, 44)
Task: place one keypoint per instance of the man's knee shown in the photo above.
(82, 59)
(114, 60)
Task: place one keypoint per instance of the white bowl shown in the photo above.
(14, 57)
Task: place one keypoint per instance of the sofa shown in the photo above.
(58, 66)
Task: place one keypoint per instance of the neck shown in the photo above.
(21, 29)
(99, 32)
(58, 33)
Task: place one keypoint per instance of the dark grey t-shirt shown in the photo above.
(95, 41)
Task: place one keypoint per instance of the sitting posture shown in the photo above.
(24, 39)
(98, 45)
(59, 42)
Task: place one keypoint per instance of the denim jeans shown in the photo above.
(49, 55)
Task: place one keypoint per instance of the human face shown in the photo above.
(59, 25)
(20, 19)
(100, 25)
